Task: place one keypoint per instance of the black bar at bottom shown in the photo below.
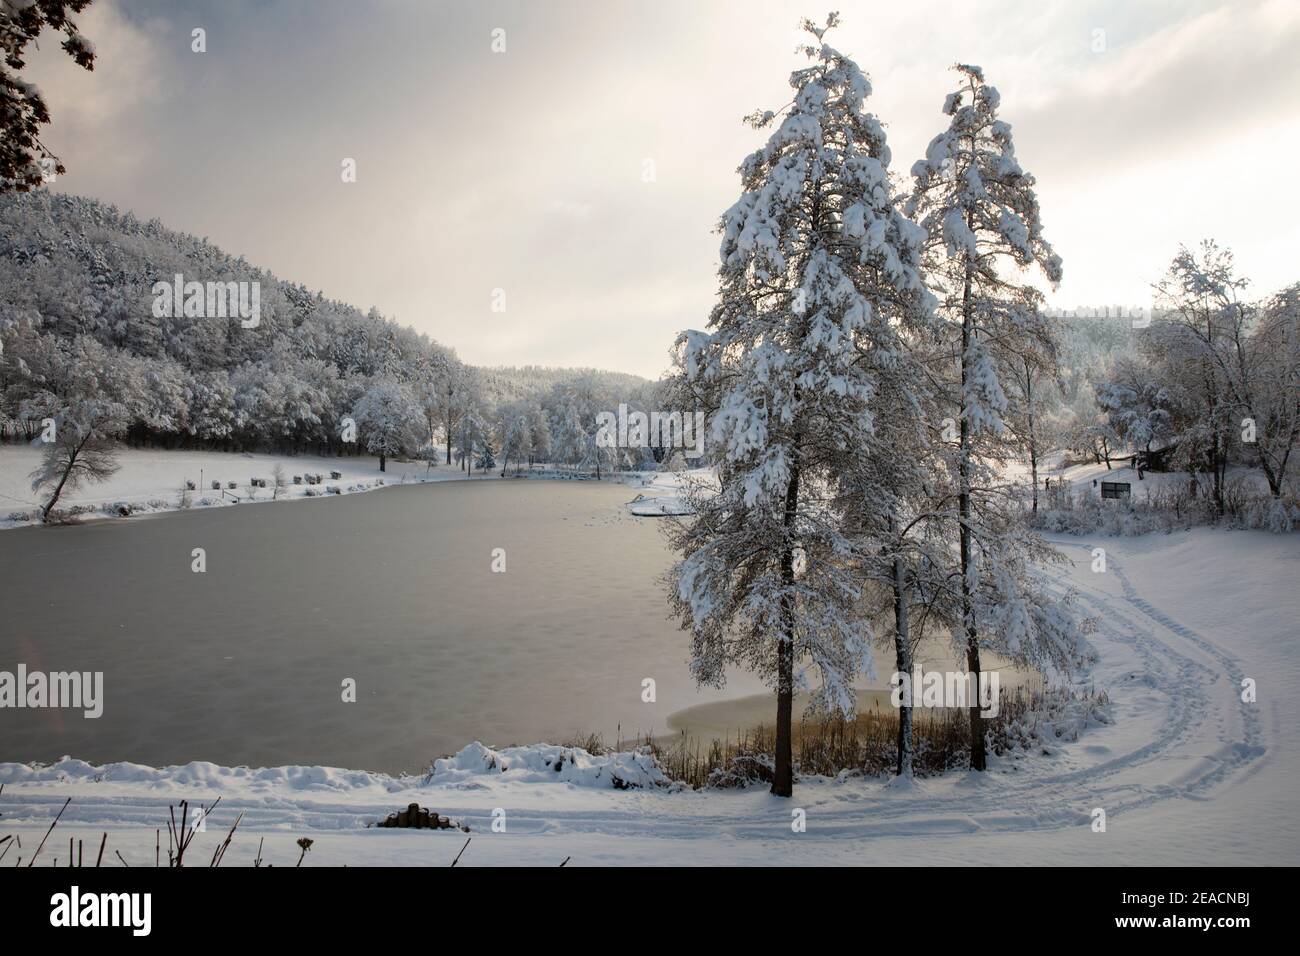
(309, 904)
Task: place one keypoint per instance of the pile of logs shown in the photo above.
(415, 816)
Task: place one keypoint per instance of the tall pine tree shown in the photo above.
(816, 260)
(981, 216)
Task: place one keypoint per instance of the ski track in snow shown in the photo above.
(1203, 738)
(1196, 697)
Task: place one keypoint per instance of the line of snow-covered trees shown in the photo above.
(858, 370)
(81, 345)
(482, 422)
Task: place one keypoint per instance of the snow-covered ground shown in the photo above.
(662, 493)
(1187, 773)
(1082, 475)
(153, 481)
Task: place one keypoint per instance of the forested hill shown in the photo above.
(528, 382)
(77, 299)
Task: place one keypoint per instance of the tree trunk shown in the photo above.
(1033, 470)
(1033, 444)
(1219, 469)
(58, 490)
(902, 661)
(382, 460)
(963, 505)
(450, 392)
(1223, 483)
(783, 775)
(73, 454)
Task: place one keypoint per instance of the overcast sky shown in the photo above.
(523, 170)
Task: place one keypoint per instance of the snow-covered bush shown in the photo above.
(742, 770)
(541, 763)
(1040, 723)
(1277, 515)
(1167, 508)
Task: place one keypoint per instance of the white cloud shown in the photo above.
(96, 113)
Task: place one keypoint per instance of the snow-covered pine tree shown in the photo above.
(887, 506)
(885, 483)
(982, 219)
(814, 257)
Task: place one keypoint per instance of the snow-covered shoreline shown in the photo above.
(154, 482)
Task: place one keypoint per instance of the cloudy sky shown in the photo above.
(1146, 124)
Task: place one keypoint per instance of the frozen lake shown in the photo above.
(243, 664)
